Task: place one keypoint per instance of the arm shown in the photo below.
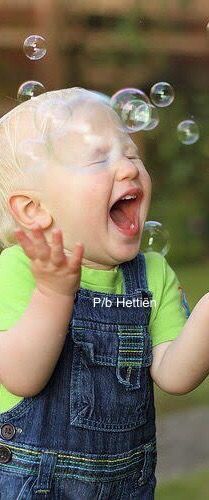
(29, 350)
(181, 365)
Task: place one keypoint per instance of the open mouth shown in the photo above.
(125, 214)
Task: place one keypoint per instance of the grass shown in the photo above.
(168, 403)
(194, 279)
(187, 487)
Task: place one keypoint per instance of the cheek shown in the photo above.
(94, 189)
(146, 183)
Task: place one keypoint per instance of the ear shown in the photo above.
(26, 210)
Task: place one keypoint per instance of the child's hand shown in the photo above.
(52, 269)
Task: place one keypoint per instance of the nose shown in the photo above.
(126, 168)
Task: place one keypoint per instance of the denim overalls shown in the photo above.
(90, 433)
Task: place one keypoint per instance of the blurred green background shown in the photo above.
(112, 44)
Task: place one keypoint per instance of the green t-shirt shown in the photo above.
(168, 315)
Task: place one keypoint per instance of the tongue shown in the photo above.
(120, 215)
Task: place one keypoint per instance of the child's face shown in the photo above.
(97, 164)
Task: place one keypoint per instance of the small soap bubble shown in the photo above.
(162, 94)
(155, 238)
(154, 118)
(30, 89)
(188, 132)
(35, 47)
(132, 105)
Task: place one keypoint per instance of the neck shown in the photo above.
(91, 264)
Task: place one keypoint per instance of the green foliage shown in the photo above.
(128, 28)
(169, 403)
(180, 173)
(180, 176)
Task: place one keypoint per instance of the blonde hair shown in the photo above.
(18, 137)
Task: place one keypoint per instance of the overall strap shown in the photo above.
(134, 274)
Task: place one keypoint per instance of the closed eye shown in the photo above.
(100, 161)
(132, 157)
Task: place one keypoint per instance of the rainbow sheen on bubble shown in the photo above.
(30, 89)
(154, 118)
(188, 132)
(162, 94)
(35, 47)
(155, 238)
(132, 106)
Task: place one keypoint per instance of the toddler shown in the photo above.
(87, 321)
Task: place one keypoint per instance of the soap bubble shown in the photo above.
(154, 118)
(29, 89)
(162, 94)
(32, 153)
(35, 47)
(105, 98)
(132, 105)
(188, 132)
(52, 114)
(155, 238)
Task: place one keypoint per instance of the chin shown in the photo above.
(127, 252)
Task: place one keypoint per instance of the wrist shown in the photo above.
(52, 295)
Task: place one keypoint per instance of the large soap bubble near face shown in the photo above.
(33, 154)
(188, 132)
(53, 114)
(78, 140)
(132, 106)
(29, 147)
(162, 94)
(29, 90)
(35, 47)
(103, 97)
(155, 238)
(53, 119)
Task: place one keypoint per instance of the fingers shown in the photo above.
(25, 242)
(58, 256)
(76, 259)
(42, 249)
(36, 247)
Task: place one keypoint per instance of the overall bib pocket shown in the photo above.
(110, 379)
